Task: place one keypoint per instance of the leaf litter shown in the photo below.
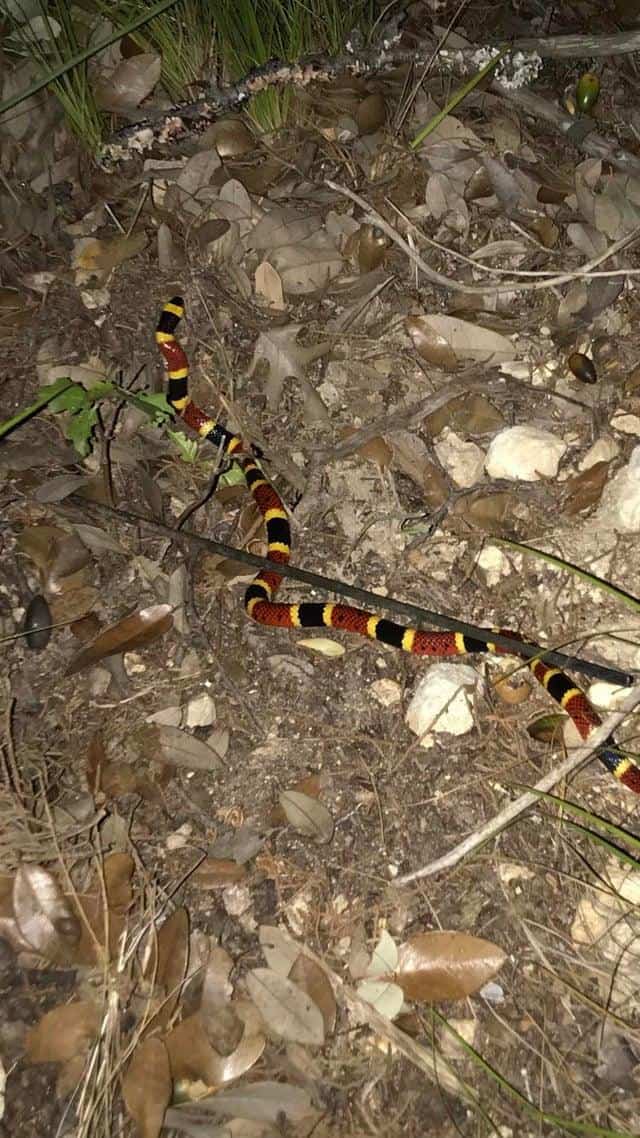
(132, 847)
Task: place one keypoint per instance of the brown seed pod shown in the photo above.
(582, 367)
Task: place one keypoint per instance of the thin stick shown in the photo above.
(529, 798)
(416, 613)
(372, 217)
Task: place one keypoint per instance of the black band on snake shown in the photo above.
(259, 598)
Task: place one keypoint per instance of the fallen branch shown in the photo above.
(491, 829)
(509, 642)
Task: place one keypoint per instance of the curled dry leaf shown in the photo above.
(191, 1055)
(307, 815)
(446, 965)
(64, 1032)
(146, 1087)
(134, 631)
(44, 916)
(194, 1058)
(384, 957)
(512, 689)
(287, 1011)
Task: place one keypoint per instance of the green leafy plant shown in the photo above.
(82, 405)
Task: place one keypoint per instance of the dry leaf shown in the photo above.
(64, 1032)
(169, 953)
(134, 631)
(92, 255)
(146, 1087)
(276, 1103)
(173, 745)
(217, 873)
(307, 815)
(313, 980)
(279, 951)
(118, 872)
(585, 490)
(287, 1011)
(44, 916)
(446, 965)
(323, 646)
(285, 357)
(308, 266)
(130, 82)
(191, 1055)
(269, 286)
(446, 340)
(385, 996)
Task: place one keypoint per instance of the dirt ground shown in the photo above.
(98, 763)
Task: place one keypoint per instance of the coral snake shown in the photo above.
(258, 599)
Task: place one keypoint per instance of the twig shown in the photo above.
(580, 47)
(530, 798)
(418, 615)
(372, 217)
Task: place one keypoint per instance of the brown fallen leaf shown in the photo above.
(313, 980)
(191, 1055)
(585, 489)
(166, 963)
(147, 1086)
(547, 728)
(118, 872)
(64, 1032)
(446, 965)
(307, 815)
(217, 873)
(134, 631)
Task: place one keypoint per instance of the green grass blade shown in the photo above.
(455, 99)
(595, 820)
(83, 56)
(49, 394)
(568, 1125)
(591, 579)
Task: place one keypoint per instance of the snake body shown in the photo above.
(259, 600)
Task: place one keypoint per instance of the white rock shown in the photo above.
(387, 692)
(621, 507)
(462, 460)
(626, 424)
(525, 454)
(603, 450)
(442, 703)
(201, 711)
(493, 564)
(607, 697)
